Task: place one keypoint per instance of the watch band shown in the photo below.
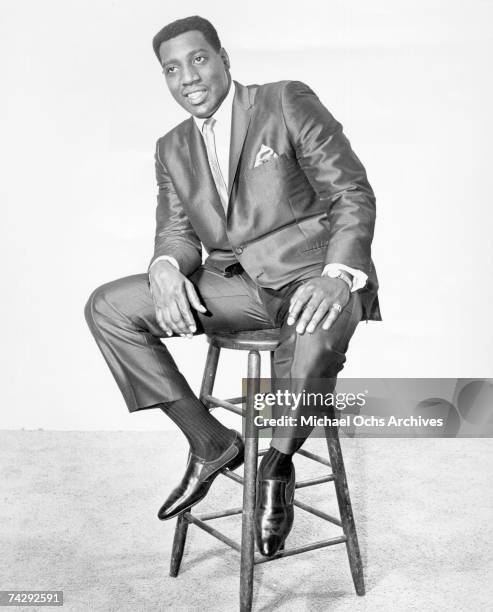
(345, 277)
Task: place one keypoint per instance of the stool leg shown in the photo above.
(249, 486)
(178, 545)
(181, 528)
(345, 508)
(210, 370)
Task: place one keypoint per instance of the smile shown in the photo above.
(197, 97)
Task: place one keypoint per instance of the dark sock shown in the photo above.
(208, 438)
(275, 465)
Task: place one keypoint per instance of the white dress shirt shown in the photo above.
(222, 131)
(222, 136)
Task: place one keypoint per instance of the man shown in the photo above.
(265, 180)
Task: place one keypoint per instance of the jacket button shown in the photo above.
(239, 250)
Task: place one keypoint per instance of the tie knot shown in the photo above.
(209, 124)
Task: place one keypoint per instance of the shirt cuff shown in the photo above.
(171, 260)
(359, 278)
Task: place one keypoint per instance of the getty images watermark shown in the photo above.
(340, 401)
(394, 407)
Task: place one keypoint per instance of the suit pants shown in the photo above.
(122, 319)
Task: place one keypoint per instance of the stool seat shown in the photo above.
(258, 340)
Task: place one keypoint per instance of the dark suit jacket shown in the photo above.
(286, 218)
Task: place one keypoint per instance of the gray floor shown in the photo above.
(78, 514)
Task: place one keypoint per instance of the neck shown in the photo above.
(230, 84)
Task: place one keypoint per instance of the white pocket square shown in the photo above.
(264, 155)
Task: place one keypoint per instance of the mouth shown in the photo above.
(196, 97)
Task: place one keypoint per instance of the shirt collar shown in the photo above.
(223, 113)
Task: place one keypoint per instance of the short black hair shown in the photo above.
(180, 26)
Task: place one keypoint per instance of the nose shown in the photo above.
(189, 75)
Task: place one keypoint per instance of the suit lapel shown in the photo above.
(242, 113)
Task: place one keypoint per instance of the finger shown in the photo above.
(178, 324)
(168, 321)
(308, 312)
(193, 298)
(186, 313)
(170, 318)
(318, 315)
(294, 297)
(161, 322)
(331, 317)
(297, 305)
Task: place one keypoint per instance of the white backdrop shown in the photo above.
(83, 102)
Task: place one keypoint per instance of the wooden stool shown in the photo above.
(253, 342)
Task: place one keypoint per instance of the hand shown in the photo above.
(314, 299)
(173, 296)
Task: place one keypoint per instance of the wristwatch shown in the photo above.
(342, 275)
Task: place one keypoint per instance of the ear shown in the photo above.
(224, 56)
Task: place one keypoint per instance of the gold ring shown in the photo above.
(336, 306)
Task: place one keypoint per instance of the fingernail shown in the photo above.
(192, 328)
(299, 329)
(290, 320)
(310, 329)
(168, 333)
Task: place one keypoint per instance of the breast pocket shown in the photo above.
(272, 181)
(274, 163)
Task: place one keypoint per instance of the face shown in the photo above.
(197, 75)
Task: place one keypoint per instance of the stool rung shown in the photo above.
(313, 456)
(210, 400)
(215, 515)
(233, 476)
(299, 504)
(314, 481)
(229, 400)
(319, 513)
(259, 558)
(299, 485)
(214, 532)
(300, 549)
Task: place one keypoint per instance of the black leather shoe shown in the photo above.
(274, 513)
(198, 477)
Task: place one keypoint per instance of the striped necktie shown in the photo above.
(210, 144)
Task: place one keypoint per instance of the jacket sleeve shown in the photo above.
(175, 236)
(335, 173)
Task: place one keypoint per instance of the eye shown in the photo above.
(170, 69)
(199, 59)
